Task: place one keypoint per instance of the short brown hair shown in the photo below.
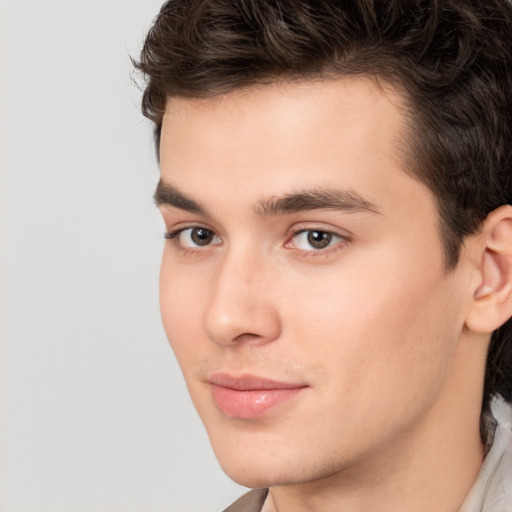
(452, 59)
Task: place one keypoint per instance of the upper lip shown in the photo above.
(247, 382)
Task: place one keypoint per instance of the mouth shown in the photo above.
(250, 396)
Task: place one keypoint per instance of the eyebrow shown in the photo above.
(166, 194)
(344, 200)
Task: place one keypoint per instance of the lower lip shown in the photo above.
(248, 404)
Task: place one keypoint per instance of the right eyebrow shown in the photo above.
(166, 194)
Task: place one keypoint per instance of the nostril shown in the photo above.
(237, 313)
(249, 336)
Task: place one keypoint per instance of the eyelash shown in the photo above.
(338, 245)
(173, 236)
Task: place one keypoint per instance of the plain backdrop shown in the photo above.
(94, 413)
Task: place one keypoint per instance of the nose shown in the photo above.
(240, 306)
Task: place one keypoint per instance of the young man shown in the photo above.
(336, 180)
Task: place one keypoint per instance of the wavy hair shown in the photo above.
(451, 59)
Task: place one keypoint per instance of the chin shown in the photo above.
(263, 468)
(256, 477)
(252, 462)
(252, 470)
(251, 479)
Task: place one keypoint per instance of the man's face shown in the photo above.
(303, 288)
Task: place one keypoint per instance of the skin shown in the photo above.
(374, 326)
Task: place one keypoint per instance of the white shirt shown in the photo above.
(492, 491)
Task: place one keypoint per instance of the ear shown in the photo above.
(491, 304)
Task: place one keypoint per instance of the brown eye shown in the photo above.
(319, 239)
(201, 236)
(195, 237)
(316, 240)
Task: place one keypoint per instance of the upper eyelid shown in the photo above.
(172, 233)
(321, 230)
(304, 227)
(189, 225)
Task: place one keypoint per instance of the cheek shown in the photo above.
(384, 328)
(180, 305)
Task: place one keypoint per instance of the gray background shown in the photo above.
(94, 413)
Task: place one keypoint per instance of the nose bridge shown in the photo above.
(239, 266)
(240, 306)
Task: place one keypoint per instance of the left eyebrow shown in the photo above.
(345, 200)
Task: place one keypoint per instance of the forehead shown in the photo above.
(269, 140)
(285, 110)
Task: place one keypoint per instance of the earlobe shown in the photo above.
(491, 303)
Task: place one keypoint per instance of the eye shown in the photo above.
(315, 239)
(194, 237)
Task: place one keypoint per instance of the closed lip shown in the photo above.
(249, 397)
(248, 382)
